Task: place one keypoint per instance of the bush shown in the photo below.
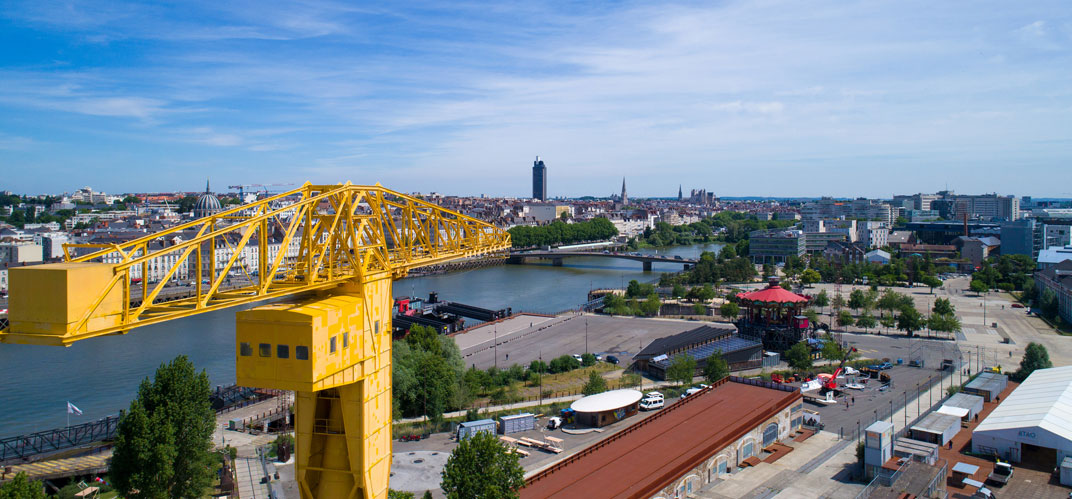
(588, 360)
(562, 364)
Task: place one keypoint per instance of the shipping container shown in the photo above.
(517, 423)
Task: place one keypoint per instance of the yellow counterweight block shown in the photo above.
(334, 351)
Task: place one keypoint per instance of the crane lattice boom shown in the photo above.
(323, 235)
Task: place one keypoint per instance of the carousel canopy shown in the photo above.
(773, 294)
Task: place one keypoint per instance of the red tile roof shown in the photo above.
(773, 294)
(648, 456)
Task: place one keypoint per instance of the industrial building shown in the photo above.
(964, 406)
(936, 428)
(681, 448)
(988, 385)
(1033, 426)
(700, 343)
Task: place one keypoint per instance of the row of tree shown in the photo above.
(559, 232)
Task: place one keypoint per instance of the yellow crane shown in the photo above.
(326, 333)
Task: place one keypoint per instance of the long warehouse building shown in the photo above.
(680, 449)
(1033, 426)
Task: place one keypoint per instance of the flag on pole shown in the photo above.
(71, 409)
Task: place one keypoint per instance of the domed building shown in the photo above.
(207, 204)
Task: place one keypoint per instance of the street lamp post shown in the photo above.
(495, 344)
(586, 335)
(905, 410)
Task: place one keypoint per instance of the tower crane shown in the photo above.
(241, 188)
(325, 334)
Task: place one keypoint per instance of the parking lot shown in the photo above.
(874, 402)
(565, 335)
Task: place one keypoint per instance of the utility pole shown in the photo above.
(540, 377)
(903, 428)
(586, 335)
(496, 346)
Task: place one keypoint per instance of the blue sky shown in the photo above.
(742, 98)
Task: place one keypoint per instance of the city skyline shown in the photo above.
(770, 99)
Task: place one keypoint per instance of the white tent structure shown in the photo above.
(1033, 426)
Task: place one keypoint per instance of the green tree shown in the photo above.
(729, 310)
(943, 306)
(682, 368)
(482, 467)
(822, 300)
(398, 494)
(809, 277)
(844, 318)
(838, 302)
(1035, 357)
(831, 350)
(650, 307)
(163, 445)
(910, 321)
(699, 309)
(978, 287)
(866, 321)
(716, 367)
(931, 282)
(857, 299)
(588, 359)
(889, 301)
(21, 487)
(812, 315)
(427, 495)
(946, 323)
(1048, 303)
(887, 322)
(596, 384)
(678, 291)
(799, 356)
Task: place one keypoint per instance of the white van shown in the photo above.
(650, 404)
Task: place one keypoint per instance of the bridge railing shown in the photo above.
(42, 442)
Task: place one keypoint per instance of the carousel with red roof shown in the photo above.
(774, 315)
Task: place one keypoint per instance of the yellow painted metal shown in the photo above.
(352, 242)
(342, 232)
(342, 380)
(59, 300)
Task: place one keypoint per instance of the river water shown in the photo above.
(100, 376)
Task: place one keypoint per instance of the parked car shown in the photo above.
(577, 356)
(554, 422)
(690, 391)
(1017, 305)
(612, 359)
(850, 371)
(880, 367)
(650, 404)
(1001, 474)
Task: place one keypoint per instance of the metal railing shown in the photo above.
(23, 446)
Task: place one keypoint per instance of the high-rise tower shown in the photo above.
(680, 194)
(625, 197)
(539, 180)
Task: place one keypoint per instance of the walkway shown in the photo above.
(248, 477)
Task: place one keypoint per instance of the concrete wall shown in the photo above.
(729, 458)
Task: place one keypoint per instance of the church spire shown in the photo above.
(625, 197)
(207, 190)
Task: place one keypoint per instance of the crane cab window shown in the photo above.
(244, 349)
(345, 340)
(376, 327)
(282, 351)
(301, 352)
(265, 349)
(331, 346)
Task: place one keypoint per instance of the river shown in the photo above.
(100, 376)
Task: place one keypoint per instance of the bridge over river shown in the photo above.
(557, 257)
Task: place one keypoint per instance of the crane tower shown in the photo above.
(334, 253)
